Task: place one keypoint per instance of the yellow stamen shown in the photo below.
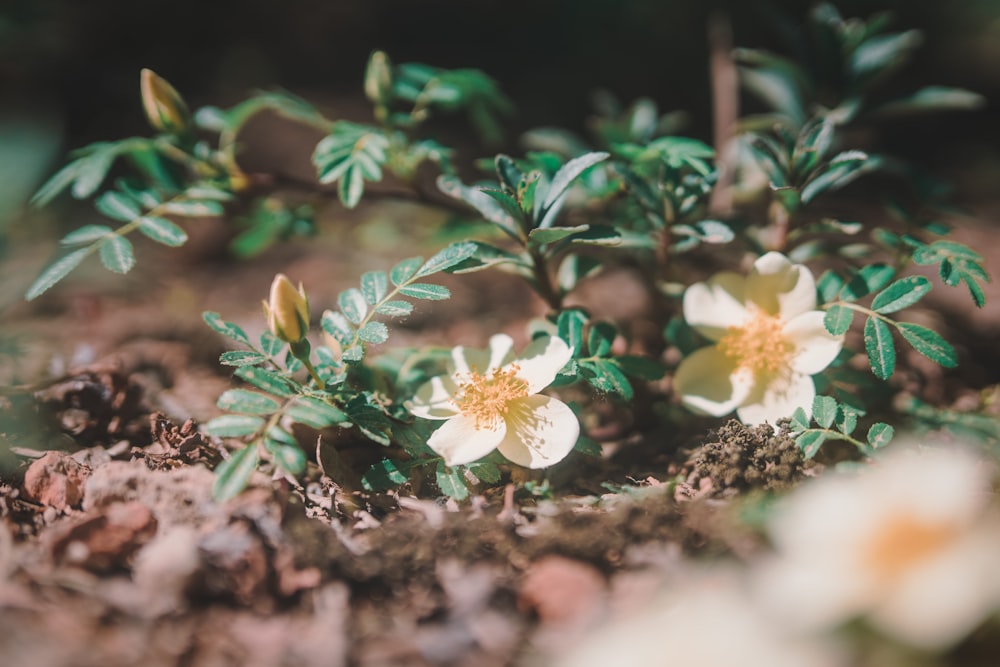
(758, 346)
(487, 398)
(903, 541)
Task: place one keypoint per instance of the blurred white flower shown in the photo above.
(769, 339)
(911, 543)
(709, 621)
(490, 400)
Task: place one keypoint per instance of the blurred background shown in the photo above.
(69, 69)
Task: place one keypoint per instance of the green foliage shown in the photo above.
(835, 421)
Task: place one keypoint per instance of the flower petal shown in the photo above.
(435, 399)
(779, 287)
(714, 306)
(815, 347)
(541, 361)
(501, 351)
(707, 382)
(467, 360)
(774, 400)
(460, 441)
(541, 431)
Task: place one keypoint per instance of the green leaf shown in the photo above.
(55, 272)
(353, 305)
(602, 335)
(933, 98)
(289, 458)
(227, 329)
(553, 234)
(383, 476)
(395, 308)
(233, 426)
(117, 206)
(403, 271)
(451, 482)
(570, 326)
(426, 291)
(315, 413)
(116, 254)
(190, 208)
(374, 286)
(604, 375)
(929, 343)
(350, 155)
(641, 367)
(451, 256)
(901, 294)
(268, 380)
(838, 319)
(163, 231)
(880, 434)
(232, 476)
(810, 441)
(800, 420)
(485, 205)
(880, 348)
(241, 358)
(374, 332)
(569, 173)
(868, 279)
(86, 234)
(847, 420)
(486, 471)
(271, 344)
(824, 410)
(336, 325)
(247, 402)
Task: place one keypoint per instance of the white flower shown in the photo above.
(769, 339)
(707, 621)
(910, 542)
(491, 401)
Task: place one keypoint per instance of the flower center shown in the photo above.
(487, 398)
(759, 345)
(903, 541)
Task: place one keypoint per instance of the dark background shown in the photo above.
(78, 61)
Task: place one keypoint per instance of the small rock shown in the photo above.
(55, 480)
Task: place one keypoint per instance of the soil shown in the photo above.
(113, 551)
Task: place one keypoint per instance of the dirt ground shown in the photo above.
(113, 552)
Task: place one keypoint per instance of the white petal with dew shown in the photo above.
(815, 347)
(779, 287)
(541, 361)
(706, 382)
(774, 400)
(541, 431)
(714, 306)
(434, 399)
(459, 441)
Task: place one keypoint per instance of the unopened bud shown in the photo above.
(164, 106)
(378, 78)
(287, 310)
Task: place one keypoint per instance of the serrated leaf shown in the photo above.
(880, 348)
(117, 206)
(337, 325)
(267, 380)
(55, 272)
(403, 271)
(847, 420)
(868, 279)
(247, 402)
(233, 426)
(451, 482)
(227, 329)
(929, 343)
(86, 234)
(553, 234)
(426, 291)
(315, 413)
(383, 476)
(117, 254)
(190, 208)
(374, 332)
(600, 339)
(451, 256)
(163, 231)
(570, 326)
(569, 173)
(395, 308)
(880, 434)
(486, 471)
(800, 420)
(374, 286)
(289, 458)
(838, 319)
(232, 476)
(824, 410)
(271, 344)
(604, 375)
(810, 442)
(241, 358)
(485, 205)
(901, 294)
(353, 305)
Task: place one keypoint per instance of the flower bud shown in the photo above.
(378, 78)
(287, 311)
(164, 106)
